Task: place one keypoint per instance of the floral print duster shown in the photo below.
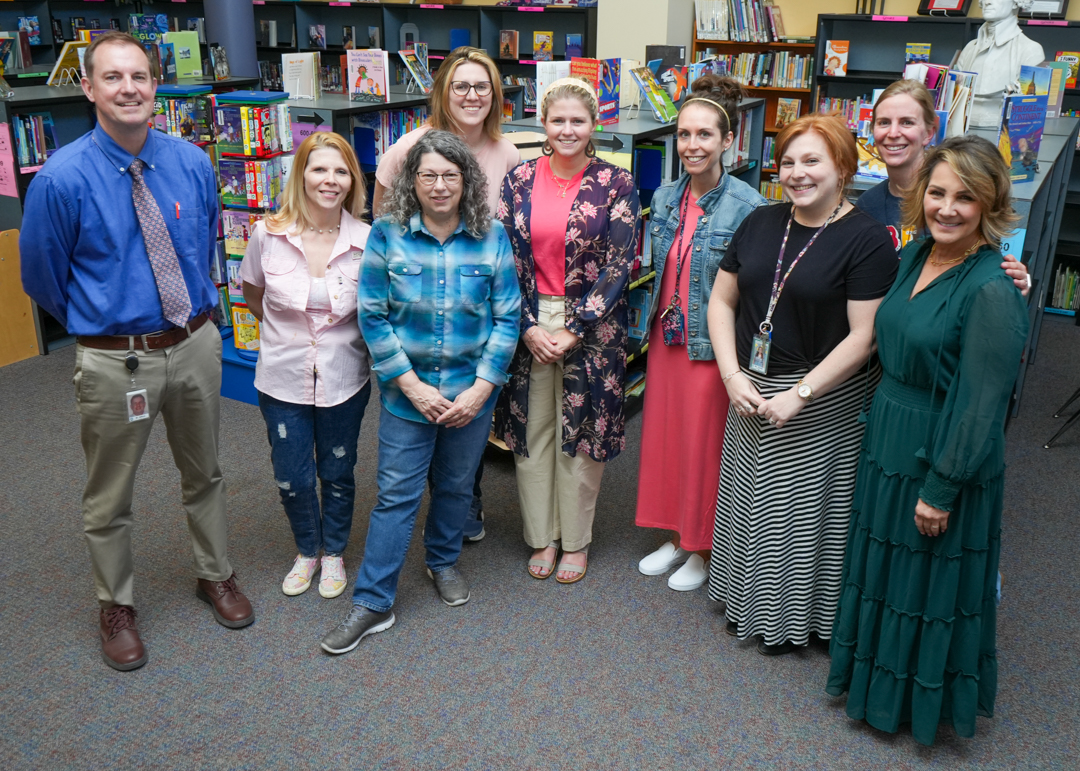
(599, 253)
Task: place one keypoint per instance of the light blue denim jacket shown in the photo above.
(725, 207)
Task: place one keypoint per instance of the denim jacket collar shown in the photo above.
(707, 202)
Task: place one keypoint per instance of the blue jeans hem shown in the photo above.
(372, 607)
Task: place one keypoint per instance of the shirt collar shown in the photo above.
(119, 158)
(416, 225)
(353, 235)
(998, 33)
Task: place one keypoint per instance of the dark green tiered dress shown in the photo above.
(914, 635)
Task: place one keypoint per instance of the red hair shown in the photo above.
(834, 133)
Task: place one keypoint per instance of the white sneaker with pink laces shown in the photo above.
(299, 578)
(333, 580)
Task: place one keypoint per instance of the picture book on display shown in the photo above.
(653, 93)
(67, 63)
(144, 27)
(219, 61)
(167, 58)
(299, 73)
(374, 36)
(917, 52)
(546, 74)
(836, 53)
(32, 27)
(348, 38)
(1072, 58)
(610, 92)
(1059, 74)
(543, 46)
(1022, 125)
(787, 110)
(367, 75)
(188, 53)
(573, 45)
(508, 43)
(417, 70)
(317, 36)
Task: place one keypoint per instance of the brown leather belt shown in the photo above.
(150, 342)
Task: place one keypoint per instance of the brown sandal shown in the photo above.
(539, 563)
(578, 569)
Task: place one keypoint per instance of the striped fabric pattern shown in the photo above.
(782, 512)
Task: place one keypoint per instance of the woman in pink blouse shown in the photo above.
(299, 275)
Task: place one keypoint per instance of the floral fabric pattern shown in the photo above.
(600, 237)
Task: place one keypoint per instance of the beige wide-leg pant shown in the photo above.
(183, 383)
(557, 493)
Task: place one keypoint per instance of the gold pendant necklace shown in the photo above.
(563, 185)
(970, 251)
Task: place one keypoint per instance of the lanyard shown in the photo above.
(679, 254)
(778, 284)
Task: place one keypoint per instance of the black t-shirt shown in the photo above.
(853, 259)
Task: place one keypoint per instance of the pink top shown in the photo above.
(550, 213)
(495, 158)
(308, 357)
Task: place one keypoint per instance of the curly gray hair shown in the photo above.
(401, 201)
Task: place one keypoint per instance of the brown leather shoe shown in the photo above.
(231, 608)
(120, 644)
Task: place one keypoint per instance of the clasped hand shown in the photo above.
(547, 349)
(438, 409)
(778, 410)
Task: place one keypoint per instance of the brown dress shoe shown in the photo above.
(231, 608)
(120, 644)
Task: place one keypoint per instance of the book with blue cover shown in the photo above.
(573, 45)
(1023, 120)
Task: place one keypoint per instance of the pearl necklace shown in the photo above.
(327, 230)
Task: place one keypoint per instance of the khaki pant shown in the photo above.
(183, 383)
(557, 493)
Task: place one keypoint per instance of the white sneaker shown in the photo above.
(690, 576)
(333, 581)
(663, 559)
(299, 578)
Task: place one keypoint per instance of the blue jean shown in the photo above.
(293, 430)
(407, 451)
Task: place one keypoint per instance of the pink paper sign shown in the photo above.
(1048, 23)
(8, 186)
(429, 5)
(534, 10)
(526, 61)
(301, 131)
(889, 18)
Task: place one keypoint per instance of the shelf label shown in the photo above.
(429, 5)
(527, 61)
(876, 17)
(8, 186)
(258, 2)
(340, 3)
(1047, 23)
(529, 9)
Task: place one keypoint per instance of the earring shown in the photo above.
(547, 149)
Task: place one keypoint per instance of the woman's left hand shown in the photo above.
(781, 408)
(467, 405)
(566, 340)
(1018, 272)
(930, 521)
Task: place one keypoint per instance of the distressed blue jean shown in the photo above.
(408, 450)
(308, 442)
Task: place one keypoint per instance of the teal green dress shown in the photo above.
(914, 635)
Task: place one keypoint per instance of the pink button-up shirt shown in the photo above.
(307, 357)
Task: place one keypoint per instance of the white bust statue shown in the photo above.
(996, 55)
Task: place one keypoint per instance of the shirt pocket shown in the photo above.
(474, 283)
(718, 246)
(281, 269)
(344, 286)
(406, 282)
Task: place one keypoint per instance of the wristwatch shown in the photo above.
(805, 391)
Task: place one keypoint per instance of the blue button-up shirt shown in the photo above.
(83, 255)
(451, 312)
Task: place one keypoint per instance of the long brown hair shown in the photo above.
(440, 117)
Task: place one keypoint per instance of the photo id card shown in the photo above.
(138, 408)
(759, 353)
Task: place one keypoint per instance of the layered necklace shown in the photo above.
(970, 251)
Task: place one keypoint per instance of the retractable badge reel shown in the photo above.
(138, 406)
(760, 348)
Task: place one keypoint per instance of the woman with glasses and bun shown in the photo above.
(466, 100)
(572, 221)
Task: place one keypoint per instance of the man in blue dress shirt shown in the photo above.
(119, 232)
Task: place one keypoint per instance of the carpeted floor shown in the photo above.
(616, 672)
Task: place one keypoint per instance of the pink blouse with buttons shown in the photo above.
(308, 356)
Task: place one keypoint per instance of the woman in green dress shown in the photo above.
(914, 635)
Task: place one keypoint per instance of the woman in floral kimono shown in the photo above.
(572, 221)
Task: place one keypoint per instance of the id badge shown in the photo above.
(759, 353)
(138, 408)
(674, 326)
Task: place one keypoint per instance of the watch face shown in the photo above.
(805, 391)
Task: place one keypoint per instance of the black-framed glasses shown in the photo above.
(428, 178)
(462, 88)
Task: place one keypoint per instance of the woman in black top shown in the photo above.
(791, 318)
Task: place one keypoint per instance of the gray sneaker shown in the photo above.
(357, 625)
(452, 587)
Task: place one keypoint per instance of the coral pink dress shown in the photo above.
(682, 432)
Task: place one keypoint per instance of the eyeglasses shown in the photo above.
(451, 178)
(462, 88)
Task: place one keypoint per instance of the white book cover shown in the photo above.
(546, 74)
(299, 74)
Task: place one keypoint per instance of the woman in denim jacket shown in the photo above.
(686, 404)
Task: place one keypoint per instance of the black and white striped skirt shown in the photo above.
(782, 511)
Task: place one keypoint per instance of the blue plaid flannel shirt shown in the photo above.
(451, 311)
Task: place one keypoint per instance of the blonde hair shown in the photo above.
(439, 101)
(984, 173)
(571, 88)
(294, 213)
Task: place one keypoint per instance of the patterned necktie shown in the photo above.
(175, 302)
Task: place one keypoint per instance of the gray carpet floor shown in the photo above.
(616, 672)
